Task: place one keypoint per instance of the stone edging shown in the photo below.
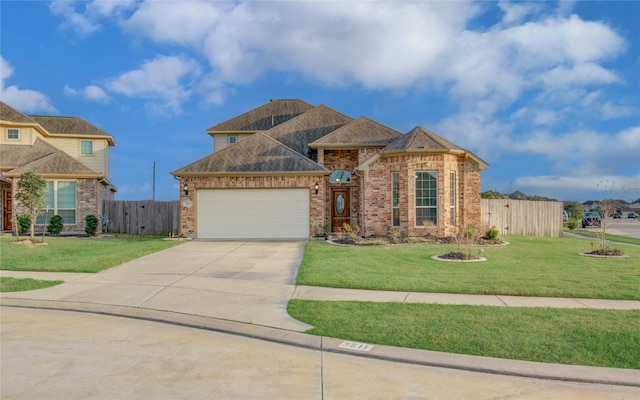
(438, 258)
(599, 256)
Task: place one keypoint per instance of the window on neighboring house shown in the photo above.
(452, 193)
(86, 147)
(13, 134)
(395, 199)
(426, 198)
(60, 200)
(233, 139)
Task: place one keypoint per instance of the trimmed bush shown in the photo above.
(572, 224)
(24, 223)
(91, 225)
(492, 234)
(55, 225)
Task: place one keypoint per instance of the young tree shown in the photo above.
(30, 193)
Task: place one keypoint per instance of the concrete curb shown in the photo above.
(527, 369)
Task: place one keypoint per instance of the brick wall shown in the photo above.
(377, 193)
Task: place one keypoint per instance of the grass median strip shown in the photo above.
(8, 284)
(78, 254)
(528, 266)
(603, 338)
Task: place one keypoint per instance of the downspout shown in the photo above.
(362, 200)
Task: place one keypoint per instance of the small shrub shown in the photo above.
(55, 225)
(91, 225)
(492, 234)
(572, 224)
(395, 235)
(352, 232)
(24, 223)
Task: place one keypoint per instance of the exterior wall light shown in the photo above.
(186, 188)
(317, 187)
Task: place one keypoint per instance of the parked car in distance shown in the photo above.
(632, 215)
(616, 215)
(591, 218)
(565, 216)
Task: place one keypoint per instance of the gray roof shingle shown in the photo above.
(298, 132)
(10, 114)
(43, 159)
(70, 126)
(359, 132)
(264, 117)
(256, 154)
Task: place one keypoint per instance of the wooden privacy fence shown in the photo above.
(142, 217)
(523, 217)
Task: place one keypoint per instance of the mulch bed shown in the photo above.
(606, 252)
(456, 255)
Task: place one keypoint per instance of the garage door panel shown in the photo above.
(253, 213)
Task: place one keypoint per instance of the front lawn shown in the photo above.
(78, 254)
(528, 266)
(602, 338)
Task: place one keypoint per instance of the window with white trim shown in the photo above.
(395, 199)
(60, 199)
(233, 140)
(13, 134)
(452, 194)
(86, 147)
(426, 198)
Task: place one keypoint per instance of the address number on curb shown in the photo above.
(356, 346)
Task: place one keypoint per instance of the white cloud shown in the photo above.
(597, 186)
(24, 100)
(91, 93)
(85, 22)
(164, 80)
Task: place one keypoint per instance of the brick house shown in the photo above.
(288, 169)
(69, 153)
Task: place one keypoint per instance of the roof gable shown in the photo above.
(423, 140)
(298, 132)
(359, 132)
(256, 154)
(264, 117)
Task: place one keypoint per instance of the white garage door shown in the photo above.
(252, 213)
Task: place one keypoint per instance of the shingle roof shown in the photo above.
(421, 139)
(256, 154)
(359, 132)
(298, 132)
(8, 113)
(418, 139)
(70, 126)
(264, 117)
(43, 159)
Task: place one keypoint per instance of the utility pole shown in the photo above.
(153, 195)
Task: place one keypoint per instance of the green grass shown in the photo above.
(601, 338)
(613, 238)
(77, 254)
(528, 266)
(8, 284)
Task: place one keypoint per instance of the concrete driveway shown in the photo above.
(242, 281)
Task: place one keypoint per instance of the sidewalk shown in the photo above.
(336, 294)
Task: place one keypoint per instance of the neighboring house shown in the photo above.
(295, 169)
(68, 152)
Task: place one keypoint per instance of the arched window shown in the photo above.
(340, 176)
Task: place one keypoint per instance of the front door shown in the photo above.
(340, 206)
(6, 209)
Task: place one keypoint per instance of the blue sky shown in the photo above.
(548, 93)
